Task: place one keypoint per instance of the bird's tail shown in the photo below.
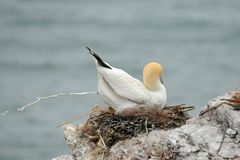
(98, 59)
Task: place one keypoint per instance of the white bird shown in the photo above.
(120, 90)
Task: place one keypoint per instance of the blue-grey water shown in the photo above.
(42, 52)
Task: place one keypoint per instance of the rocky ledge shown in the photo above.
(214, 134)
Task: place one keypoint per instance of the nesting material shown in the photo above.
(109, 127)
(234, 99)
(231, 98)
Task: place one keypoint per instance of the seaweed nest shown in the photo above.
(106, 126)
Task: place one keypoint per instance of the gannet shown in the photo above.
(120, 90)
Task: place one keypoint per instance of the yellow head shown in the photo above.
(151, 75)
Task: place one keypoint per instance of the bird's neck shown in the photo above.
(153, 85)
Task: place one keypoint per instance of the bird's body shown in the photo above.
(120, 90)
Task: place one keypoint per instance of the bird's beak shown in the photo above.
(161, 80)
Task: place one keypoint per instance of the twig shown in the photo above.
(104, 146)
(102, 156)
(51, 97)
(181, 107)
(212, 108)
(72, 119)
(45, 98)
(146, 122)
(231, 102)
(175, 106)
(187, 108)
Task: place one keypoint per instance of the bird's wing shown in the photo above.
(124, 85)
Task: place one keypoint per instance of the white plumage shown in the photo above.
(120, 90)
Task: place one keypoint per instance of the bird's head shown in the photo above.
(152, 76)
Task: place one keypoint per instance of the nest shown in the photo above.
(108, 127)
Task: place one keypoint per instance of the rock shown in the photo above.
(232, 133)
(214, 134)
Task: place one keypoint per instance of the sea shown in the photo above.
(42, 52)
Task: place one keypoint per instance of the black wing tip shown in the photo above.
(89, 50)
(99, 60)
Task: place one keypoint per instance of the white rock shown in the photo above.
(232, 133)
